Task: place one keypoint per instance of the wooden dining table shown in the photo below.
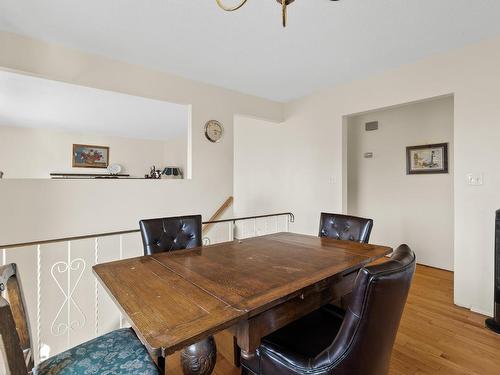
(253, 287)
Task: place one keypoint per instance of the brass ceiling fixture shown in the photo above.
(284, 4)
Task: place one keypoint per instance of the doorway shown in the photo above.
(413, 209)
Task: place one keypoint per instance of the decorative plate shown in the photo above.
(114, 169)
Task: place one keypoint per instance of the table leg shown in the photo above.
(236, 353)
(199, 358)
(161, 362)
(248, 355)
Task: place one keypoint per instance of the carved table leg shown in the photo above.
(199, 358)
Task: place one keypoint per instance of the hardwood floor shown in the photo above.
(435, 337)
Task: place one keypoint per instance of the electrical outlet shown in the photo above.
(475, 179)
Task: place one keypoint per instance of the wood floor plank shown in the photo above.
(435, 336)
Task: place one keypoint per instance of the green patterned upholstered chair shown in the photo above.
(118, 352)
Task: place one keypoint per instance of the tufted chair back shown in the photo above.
(345, 227)
(171, 233)
(366, 337)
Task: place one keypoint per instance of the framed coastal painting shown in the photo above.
(88, 156)
(427, 159)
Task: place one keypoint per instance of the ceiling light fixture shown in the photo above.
(284, 4)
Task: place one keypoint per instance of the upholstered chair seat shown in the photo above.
(332, 341)
(300, 341)
(345, 227)
(118, 352)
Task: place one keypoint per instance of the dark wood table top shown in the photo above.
(175, 299)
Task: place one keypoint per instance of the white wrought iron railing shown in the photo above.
(66, 304)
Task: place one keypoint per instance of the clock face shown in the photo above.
(214, 131)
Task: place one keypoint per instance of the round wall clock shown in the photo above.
(214, 131)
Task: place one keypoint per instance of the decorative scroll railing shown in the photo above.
(67, 305)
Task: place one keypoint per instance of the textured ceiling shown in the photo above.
(326, 43)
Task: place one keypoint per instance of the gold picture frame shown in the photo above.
(90, 156)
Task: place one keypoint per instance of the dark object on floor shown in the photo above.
(494, 323)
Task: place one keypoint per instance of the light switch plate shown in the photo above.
(475, 179)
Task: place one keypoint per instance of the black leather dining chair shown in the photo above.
(333, 341)
(171, 234)
(345, 227)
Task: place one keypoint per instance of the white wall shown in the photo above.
(35, 153)
(282, 167)
(412, 209)
(65, 208)
(472, 74)
(313, 136)
(175, 153)
(262, 168)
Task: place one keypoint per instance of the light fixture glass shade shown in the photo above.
(172, 173)
(230, 8)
